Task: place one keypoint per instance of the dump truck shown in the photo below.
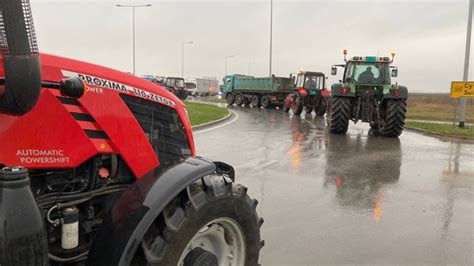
(310, 94)
(260, 92)
(99, 167)
(367, 94)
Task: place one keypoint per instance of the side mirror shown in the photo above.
(394, 72)
(333, 70)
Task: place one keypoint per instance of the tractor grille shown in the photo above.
(163, 128)
(17, 32)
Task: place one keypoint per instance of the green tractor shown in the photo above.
(366, 93)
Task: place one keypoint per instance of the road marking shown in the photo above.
(219, 126)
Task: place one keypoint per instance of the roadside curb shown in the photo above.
(213, 123)
(436, 134)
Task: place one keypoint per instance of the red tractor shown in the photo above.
(310, 94)
(99, 167)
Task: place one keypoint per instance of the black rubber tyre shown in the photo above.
(322, 108)
(297, 104)
(229, 98)
(265, 102)
(256, 101)
(308, 109)
(395, 114)
(340, 114)
(286, 105)
(239, 99)
(246, 101)
(209, 198)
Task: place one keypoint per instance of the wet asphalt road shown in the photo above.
(354, 199)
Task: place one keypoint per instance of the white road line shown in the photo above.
(220, 125)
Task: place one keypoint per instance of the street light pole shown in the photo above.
(133, 25)
(182, 57)
(228, 56)
(249, 67)
(271, 35)
(466, 62)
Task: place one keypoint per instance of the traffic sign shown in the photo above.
(462, 89)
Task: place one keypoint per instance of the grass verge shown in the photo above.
(214, 100)
(443, 129)
(436, 107)
(200, 113)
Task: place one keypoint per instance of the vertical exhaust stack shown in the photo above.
(20, 90)
(22, 234)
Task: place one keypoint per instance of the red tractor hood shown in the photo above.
(63, 133)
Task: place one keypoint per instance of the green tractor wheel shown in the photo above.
(395, 114)
(340, 114)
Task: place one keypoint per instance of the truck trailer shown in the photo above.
(260, 92)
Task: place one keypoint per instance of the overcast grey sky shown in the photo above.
(428, 36)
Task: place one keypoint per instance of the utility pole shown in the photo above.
(182, 57)
(466, 62)
(133, 25)
(271, 36)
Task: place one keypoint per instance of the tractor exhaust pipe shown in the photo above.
(20, 90)
(22, 234)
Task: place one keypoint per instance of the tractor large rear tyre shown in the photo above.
(340, 114)
(192, 224)
(230, 99)
(287, 104)
(297, 104)
(395, 114)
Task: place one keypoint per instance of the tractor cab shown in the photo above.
(176, 86)
(367, 74)
(310, 93)
(366, 93)
(310, 82)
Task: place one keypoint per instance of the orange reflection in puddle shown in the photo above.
(295, 152)
(377, 211)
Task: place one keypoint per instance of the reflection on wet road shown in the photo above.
(357, 199)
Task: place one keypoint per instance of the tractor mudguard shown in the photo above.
(140, 204)
(336, 90)
(403, 94)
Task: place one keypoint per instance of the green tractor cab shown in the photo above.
(366, 93)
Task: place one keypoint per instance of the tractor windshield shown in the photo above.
(368, 73)
(180, 83)
(311, 82)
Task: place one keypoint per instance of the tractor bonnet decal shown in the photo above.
(96, 85)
